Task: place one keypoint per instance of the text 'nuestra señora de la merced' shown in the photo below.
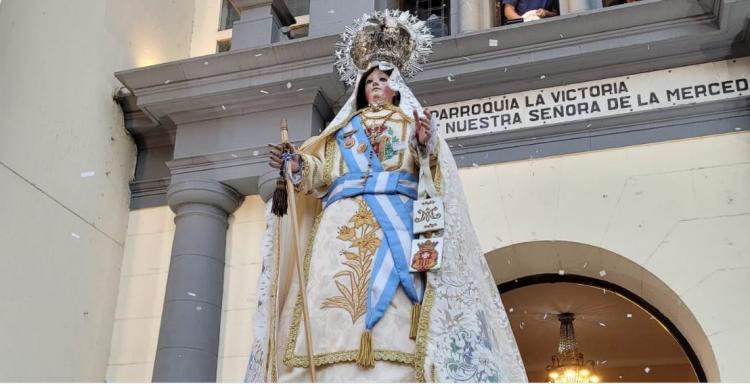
(595, 99)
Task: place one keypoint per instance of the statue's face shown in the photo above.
(377, 91)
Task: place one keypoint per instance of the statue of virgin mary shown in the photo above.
(371, 317)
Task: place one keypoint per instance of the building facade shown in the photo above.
(609, 143)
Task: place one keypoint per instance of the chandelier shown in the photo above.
(568, 365)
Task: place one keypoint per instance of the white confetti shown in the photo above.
(475, 165)
(506, 69)
(561, 35)
(199, 308)
(586, 264)
(234, 156)
(205, 63)
(88, 173)
(510, 309)
(604, 362)
(166, 81)
(451, 78)
(223, 107)
(542, 77)
(300, 89)
(191, 294)
(258, 54)
(619, 377)
(602, 324)
(629, 315)
(602, 273)
(545, 316)
(561, 272)
(738, 129)
(77, 236)
(508, 261)
(647, 369)
(493, 43)
(332, 11)
(588, 125)
(522, 325)
(289, 85)
(255, 153)
(263, 91)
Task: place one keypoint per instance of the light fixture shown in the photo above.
(568, 365)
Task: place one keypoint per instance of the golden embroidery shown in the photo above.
(353, 281)
(272, 302)
(330, 154)
(422, 331)
(297, 313)
(292, 360)
(306, 180)
(349, 356)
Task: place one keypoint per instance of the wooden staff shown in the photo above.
(298, 259)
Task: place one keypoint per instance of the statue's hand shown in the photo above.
(423, 125)
(276, 153)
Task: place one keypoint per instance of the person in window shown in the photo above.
(528, 10)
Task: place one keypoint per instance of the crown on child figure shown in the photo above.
(390, 36)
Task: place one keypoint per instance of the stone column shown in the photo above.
(469, 16)
(267, 184)
(191, 319)
(260, 23)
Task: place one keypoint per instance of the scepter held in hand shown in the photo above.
(283, 201)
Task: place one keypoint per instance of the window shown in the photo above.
(298, 7)
(525, 10)
(228, 16)
(436, 13)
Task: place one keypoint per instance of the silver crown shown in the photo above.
(389, 36)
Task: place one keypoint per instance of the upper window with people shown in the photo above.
(436, 13)
(516, 11)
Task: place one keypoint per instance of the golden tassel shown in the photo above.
(416, 309)
(366, 357)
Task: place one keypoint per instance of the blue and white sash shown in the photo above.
(390, 196)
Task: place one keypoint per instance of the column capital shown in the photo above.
(267, 184)
(277, 6)
(203, 191)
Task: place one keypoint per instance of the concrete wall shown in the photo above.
(65, 162)
(680, 210)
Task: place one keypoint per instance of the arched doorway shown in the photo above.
(540, 279)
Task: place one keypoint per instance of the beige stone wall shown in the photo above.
(144, 280)
(65, 162)
(675, 215)
(679, 210)
(206, 28)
